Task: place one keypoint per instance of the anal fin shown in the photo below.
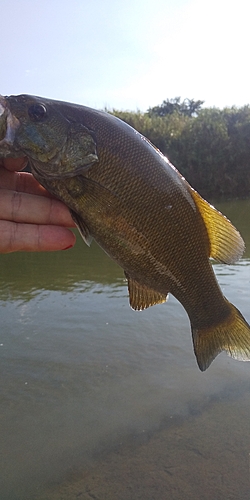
(141, 297)
(82, 228)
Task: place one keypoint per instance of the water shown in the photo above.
(99, 401)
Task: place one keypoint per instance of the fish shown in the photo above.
(126, 195)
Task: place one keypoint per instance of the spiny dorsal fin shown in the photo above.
(141, 297)
(226, 243)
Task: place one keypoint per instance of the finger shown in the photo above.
(34, 238)
(14, 163)
(21, 181)
(32, 209)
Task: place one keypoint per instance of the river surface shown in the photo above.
(101, 402)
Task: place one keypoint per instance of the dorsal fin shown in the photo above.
(226, 243)
(141, 297)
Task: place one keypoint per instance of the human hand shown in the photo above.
(30, 218)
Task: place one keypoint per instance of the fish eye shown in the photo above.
(37, 112)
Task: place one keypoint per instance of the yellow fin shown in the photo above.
(141, 297)
(232, 336)
(226, 243)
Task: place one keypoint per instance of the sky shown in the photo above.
(129, 54)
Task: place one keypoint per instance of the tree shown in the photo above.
(211, 149)
(188, 107)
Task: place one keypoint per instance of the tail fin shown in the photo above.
(232, 336)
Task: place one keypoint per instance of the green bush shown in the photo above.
(210, 147)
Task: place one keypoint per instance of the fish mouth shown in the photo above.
(8, 127)
(3, 122)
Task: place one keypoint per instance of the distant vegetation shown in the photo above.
(209, 146)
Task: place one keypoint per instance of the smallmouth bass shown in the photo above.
(124, 193)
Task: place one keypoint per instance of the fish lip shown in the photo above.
(3, 120)
(10, 124)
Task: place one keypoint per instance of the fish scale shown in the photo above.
(126, 195)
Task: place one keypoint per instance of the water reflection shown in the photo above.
(24, 275)
(98, 401)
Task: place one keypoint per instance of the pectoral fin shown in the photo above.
(82, 228)
(141, 297)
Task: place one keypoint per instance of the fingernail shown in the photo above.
(67, 248)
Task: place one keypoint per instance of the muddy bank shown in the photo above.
(204, 455)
